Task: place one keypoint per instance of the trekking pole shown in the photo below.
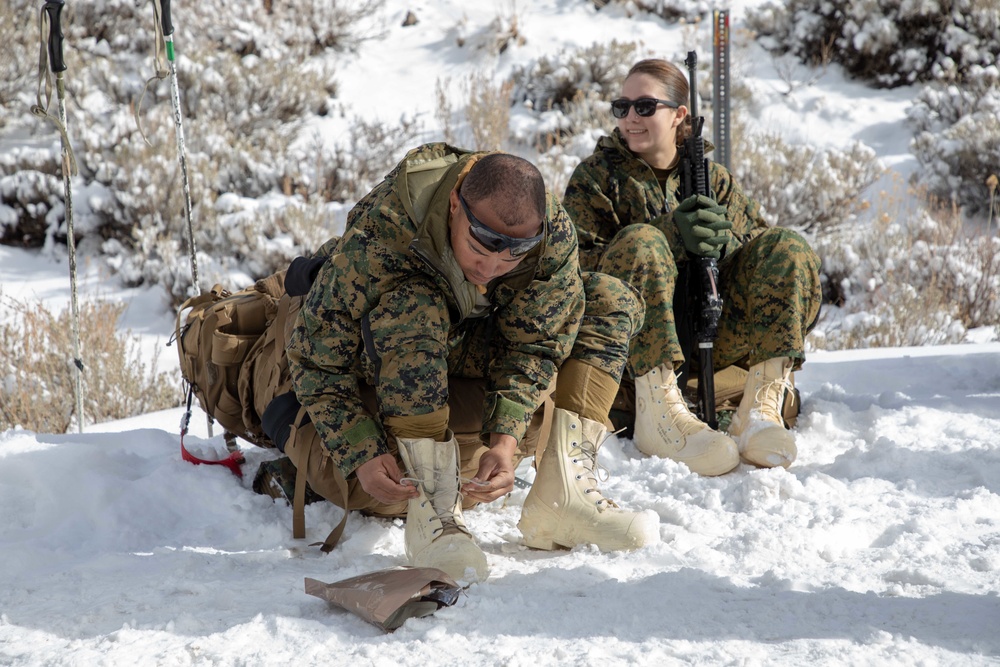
(49, 16)
(161, 16)
(175, 100)
(163, 36)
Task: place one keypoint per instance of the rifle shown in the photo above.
(694, 181)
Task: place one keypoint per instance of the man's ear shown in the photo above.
(453, 203)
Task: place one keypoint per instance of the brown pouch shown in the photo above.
(387, 598)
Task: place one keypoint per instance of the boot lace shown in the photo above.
(681, 416)
(584, 454)
(443, 502)
(769, 398)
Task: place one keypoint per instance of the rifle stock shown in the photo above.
(695, 181)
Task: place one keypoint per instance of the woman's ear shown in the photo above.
(682, 113)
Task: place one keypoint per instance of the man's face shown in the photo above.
(480, 264)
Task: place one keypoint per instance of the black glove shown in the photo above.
(703, 226)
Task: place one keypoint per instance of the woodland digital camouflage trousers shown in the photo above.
(412, 348)
(770, 288)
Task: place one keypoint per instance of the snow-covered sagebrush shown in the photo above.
(957, 139)
(887, 43)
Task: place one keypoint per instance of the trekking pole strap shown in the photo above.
(161, 72)
(50, 49)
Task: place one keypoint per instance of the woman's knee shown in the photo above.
(610, 297)
(638, 248)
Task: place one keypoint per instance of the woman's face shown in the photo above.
(653, 138)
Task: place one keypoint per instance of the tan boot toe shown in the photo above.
(565, 507)
(666, 427)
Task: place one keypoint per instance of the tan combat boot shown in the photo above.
(565, 508)
(757, 426)
(665, 427)
(436, 535)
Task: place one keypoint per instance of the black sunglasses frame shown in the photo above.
(621, 106)
(495, 241)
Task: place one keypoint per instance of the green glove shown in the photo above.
(703, 226)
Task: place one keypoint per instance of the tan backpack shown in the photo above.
(221, 331)
(232, 355)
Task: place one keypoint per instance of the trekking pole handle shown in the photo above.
(168, 27)
(53, 9)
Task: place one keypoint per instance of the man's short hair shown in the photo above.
(511, 181)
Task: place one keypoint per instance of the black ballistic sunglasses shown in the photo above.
(495, 241)
(644, 106)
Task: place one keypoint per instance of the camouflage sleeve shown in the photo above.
(327, 248)
(322, 350)
(744, 212)
(588, 205)
(535, 332)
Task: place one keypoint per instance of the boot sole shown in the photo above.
(552, 540)
(544, 540)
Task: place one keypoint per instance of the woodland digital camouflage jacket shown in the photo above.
(613, 188)
(396, 234)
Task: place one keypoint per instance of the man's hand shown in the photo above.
(703, 226)
(382, 479)
(495, 477)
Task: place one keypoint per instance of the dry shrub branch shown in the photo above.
(38, 377)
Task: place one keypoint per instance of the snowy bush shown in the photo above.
(16, 56)
(671, 10)
(809, 189)
(552, 82)
(957, 138)
(243, 120)
(953, 45)
(350, 168)
(30, 199)
(291, 28)
(38, 376)
(888, 42)
(485, 121)
(911, 277)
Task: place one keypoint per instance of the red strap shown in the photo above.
(233, 461)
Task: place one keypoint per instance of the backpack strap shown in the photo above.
(299, 498)
(331, 540)
(301, 472)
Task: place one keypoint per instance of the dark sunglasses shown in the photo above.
(495, 241)
(644, 106)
